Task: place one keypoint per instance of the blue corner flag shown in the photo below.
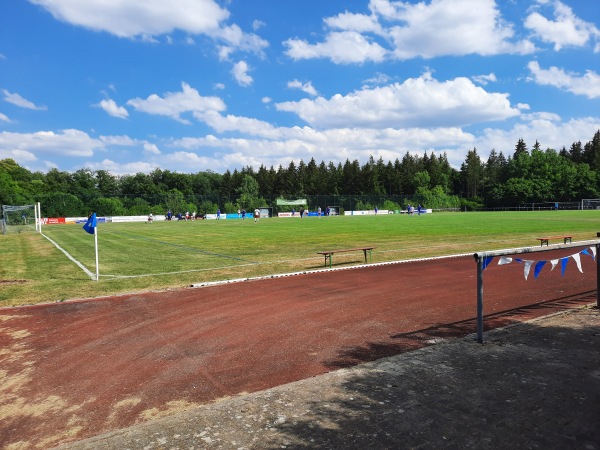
(90, 224)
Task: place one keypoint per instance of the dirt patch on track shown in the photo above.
(76, 369)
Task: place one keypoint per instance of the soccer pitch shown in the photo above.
(136, 257)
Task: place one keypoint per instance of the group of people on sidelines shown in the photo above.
(319, 212)
(241, 213)
(187, 216)
(411, 209)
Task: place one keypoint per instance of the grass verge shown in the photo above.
(137, 257)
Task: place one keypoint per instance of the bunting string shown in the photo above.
(539, 265)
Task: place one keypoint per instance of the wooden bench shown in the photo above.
(329, 254)
(544, 240)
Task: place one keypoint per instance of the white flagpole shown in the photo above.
(96, 245)
(38, 217)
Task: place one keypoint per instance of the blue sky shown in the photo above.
(194, 85)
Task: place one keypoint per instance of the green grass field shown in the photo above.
(138, 257)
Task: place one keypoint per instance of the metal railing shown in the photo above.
(482, 257)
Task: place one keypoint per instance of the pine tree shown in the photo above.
(520, 148)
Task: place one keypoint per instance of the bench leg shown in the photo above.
(370, 256)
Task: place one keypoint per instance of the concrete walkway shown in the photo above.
(531, 385)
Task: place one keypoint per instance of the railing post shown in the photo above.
(597, 273)
(479, 298)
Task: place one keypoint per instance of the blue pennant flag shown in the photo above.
(486, 262)
(90, 224)
(564, 262)
(538, 268)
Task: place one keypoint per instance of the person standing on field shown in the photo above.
(256, 214)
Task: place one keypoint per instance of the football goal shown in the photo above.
(333, 211)
(19, 219)
(590, 203)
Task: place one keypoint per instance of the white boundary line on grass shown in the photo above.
(81, 266)
(264, 277)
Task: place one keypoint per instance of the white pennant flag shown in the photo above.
(554, 262)
(593, 249)
(528, 265)
(504, 260)
(577, 258)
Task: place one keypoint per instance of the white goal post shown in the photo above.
(590, 203)
(21, 218)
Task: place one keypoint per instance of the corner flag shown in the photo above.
(90, 227)
(90, 224)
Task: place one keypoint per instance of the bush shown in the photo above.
(230, 207)
(390, 205)
(207, 207)
(471, 204)
(360, 206)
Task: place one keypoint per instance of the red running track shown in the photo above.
(77, 369)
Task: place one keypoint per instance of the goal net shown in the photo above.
(266, 212)
(590, 203)
(18, 219)
(333, 211)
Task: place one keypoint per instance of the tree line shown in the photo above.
(524, 177)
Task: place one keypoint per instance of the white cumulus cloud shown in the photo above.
(112, 109)
(65, 143)
(149, 18)
(174, 104)
(484, 79)
(128, 19)
(307, 87)
(566, 30)
(119, 141)
(240, 73)
(406, 30)
(418, 102)
(587, 85)
(452, 27)
(341, 47)
(20, 101)
(151, 148)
